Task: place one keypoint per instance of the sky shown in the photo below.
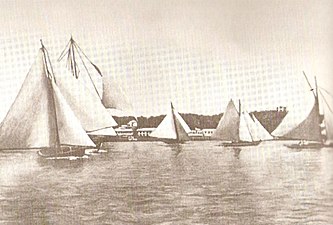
(196, 53)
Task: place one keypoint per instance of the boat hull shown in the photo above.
(240, 144)
(63, 152)
(306, 146)
(169, 141)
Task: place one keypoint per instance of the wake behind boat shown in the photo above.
(40, 117)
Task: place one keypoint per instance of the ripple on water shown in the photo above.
(155, 183)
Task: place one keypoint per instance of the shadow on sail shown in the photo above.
(40, 117)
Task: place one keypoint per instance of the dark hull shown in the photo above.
(306, 146)
(98, 139)
(241, 144)
(169, 141)
(63, 152)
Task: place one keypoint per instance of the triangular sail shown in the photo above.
(29, 122)
(309, 128)
(261, 131)
(166, 129)
(258, 132)
(69, 127)
(228, 127)
(182, 134)
(172, 127)
(244, 131)
(182, 122)
(115, 99)
(86, 105)
(82, 90)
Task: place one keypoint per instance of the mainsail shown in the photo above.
(82, 94)
(228, 127)
(171, 128)
(39, 116)
(307, 129)
(86, 105)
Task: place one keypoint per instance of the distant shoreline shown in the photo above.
(270, 119)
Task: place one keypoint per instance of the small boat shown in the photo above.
(40, 117)
(308, 132)
(172, 129)
(238, 129)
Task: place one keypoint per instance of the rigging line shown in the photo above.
(174, 121)
(49, 75)
(92, 81)
(307, 80)
(48, 58)
(328, 106)
(63, 53)
(76, 73)
(96, 68)
(326, 91)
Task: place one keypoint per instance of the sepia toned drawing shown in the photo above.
(166, 112)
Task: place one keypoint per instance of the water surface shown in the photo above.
(157, 183)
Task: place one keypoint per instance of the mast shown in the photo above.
(239, 107)
(174, 122)
(52, 96)
(317, 105)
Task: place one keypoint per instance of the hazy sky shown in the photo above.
(198, 54)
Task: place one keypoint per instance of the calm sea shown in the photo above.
(156, 183)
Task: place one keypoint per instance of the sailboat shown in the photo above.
(83, 95)
(40, 117)
(172, 129)
(233, 128)
(309, 131)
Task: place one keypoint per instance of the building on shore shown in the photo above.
(200, 134)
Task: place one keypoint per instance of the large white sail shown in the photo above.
(85, 104)
(258, 132)
(115, 99)
(262, 133)
(69, 127)
(308, 129)
(29, 122)
(39, 116)
(244, 132)
(228, 127)
(82, 90)
(166, 129)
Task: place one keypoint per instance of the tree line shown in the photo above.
(270, 119)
